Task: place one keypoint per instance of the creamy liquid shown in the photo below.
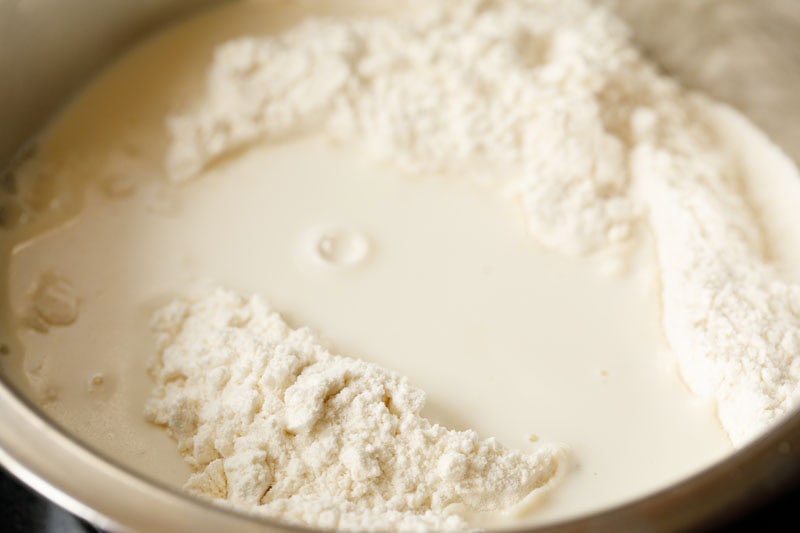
(506, 337)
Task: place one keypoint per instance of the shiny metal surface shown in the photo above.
(49, 47)
(742, 52)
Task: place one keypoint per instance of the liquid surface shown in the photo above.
(433, 277)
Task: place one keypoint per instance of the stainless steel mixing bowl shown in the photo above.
(48, 48)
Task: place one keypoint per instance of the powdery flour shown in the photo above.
(594, 142)
(271, 421)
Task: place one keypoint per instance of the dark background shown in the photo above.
(23, 511)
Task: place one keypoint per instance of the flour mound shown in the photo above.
(511, 83)
(269, 420)
(593, 138)
(732, 320)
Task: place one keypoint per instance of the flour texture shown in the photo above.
(595, 141)
(501, 83)
(271, 421)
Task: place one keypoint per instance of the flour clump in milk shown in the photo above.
(55, 302)
(460, 83)
(592, 139)
(269, 420)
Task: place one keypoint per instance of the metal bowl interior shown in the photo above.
(49, 48)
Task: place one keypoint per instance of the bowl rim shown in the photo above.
(94, 486)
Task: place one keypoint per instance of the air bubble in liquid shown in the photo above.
(338, 247)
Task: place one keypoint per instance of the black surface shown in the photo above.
(24, 511)
(776, 515)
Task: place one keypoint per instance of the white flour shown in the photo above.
(592, 136)
(271, 421)
(463, 83)
(734, 324)
(593, 141)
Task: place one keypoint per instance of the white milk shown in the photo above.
(442, 284)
